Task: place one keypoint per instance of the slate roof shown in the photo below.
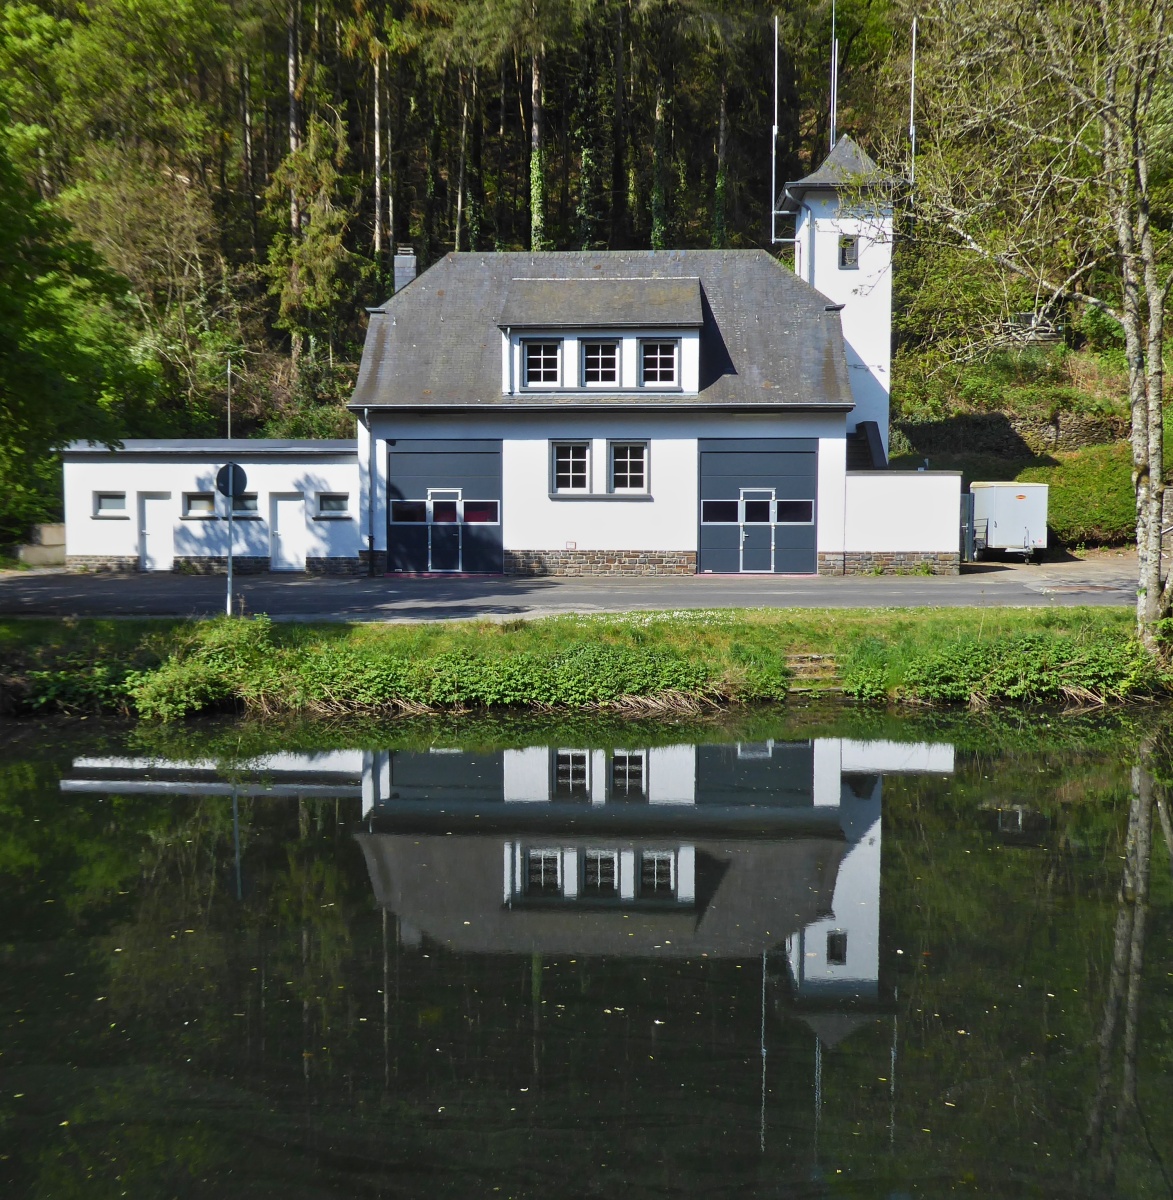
(768, 339)
(848, 165)
(219, 447)
(593, 303)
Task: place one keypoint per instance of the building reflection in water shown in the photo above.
(767, 850)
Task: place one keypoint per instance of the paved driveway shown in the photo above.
(1105, 580)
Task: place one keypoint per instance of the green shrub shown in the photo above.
(1090, 497)
(1036, 668)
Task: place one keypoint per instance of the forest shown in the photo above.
(186, 184)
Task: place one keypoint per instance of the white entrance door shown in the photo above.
(156, 532)
(287, 540)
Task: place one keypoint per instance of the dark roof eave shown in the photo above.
(590, 325)
(634, 406)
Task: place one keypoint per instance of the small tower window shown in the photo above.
(849, 254)
(837, 948)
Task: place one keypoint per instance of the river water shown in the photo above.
(809, 954)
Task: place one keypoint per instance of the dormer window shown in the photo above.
(600, 364)
(543, 363)
(658, 363)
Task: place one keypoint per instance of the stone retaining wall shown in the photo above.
(1010, 435)
(889, 562)
(217, 564)
(99, 562)
(337, 566)
(600, 562)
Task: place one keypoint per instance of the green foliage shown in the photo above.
(1090, 497)
(66, 368)
(1041, 669)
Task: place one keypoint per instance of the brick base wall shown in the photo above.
(337, 566)
(100, 562)
(889, 562)
(600, 562)
(217, 564)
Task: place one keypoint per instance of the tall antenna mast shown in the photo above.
(774, 147)
(912, 111)
(834, 76)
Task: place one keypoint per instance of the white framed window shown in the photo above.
(849, 253)
(659, 363)
(600, 876)
(199, 504)
(541, 363)
(543, 875)
(571, 466)
(657, 874)
(110, 505)
(629, 775)
(245, 505)
(629, 466)
(333, 504)
(600, 363)
(572, 775)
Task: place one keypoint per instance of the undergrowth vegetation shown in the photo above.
(680, 663)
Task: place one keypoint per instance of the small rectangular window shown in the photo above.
(571, 462)
(657, 362)
(110, 504)
(657, 874)
(628, 775)
(849, 254)
(601, 873)
(757, 512)
(409, 512)
(481, 512)
(541, 363)
(837, 948)
(600, 363)
(544, 873)
(719, 512)
(337, 502)
(572, 775)
(796, 512)
(199, 504)
(245, 504)
(629, 461)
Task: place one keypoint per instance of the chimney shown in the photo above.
(404, 267)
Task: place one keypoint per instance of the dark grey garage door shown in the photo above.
(758, 505)
(444, 506)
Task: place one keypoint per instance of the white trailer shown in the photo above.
(1010, 517)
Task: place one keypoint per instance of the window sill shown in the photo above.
(333, 517)
(202, 517)
(246, 517)
(110, 517)
(639, 496)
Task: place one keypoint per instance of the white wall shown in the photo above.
(134, 475)
(865, 293)
(668, 521)
(907, 511)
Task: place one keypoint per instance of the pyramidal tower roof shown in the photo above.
(848, 165)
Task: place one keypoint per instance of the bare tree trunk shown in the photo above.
(720, 232)
(619, 142)
(294, 134)
(537, 172)
(378, 118)
(461, 165)
(246, 120)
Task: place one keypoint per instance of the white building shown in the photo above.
(583, 413)
(153, 506)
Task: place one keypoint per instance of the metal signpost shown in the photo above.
(231, 482)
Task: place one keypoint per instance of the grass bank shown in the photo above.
(637, 663)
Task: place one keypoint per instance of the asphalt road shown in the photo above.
(1107, 580)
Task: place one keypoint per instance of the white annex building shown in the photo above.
(579, 412)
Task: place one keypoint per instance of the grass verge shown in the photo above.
(635, 663)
